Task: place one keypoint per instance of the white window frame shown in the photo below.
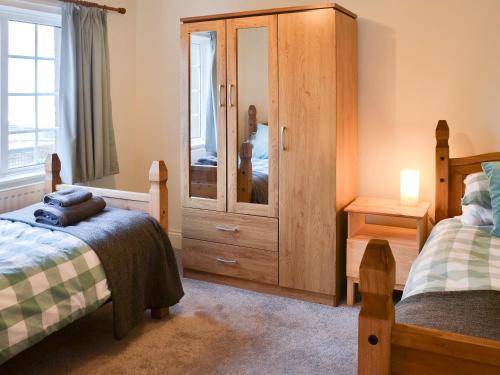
(34, 173)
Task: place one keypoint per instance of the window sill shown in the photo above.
(21, 179)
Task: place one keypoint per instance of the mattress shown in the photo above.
(48, 279)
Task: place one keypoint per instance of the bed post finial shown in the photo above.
(252, 120)
(376, 318)
(442, 170)
(158, 177)
(52, 173)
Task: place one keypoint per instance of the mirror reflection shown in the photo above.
(203, 114)
(253, 102)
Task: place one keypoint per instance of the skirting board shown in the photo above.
(323, 299)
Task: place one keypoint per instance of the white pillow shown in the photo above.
(474, 214)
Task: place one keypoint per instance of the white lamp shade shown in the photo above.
(410, 186)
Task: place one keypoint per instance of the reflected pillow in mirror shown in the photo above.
(260, 142)
(492, 170)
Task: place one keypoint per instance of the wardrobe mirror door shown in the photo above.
(204, 93)
(252, 115)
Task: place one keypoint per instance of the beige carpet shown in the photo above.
(214, 330)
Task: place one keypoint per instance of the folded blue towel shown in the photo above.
(68, 197)
(64, 216)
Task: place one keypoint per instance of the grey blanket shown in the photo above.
(136, 255)
(472, 313)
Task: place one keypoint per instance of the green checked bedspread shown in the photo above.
(456, 258)
(48, 279)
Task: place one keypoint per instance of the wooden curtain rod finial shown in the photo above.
(122, 10)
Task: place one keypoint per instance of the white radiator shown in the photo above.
(16, 198)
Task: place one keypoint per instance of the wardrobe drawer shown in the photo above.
(229, 260)
(242, 230)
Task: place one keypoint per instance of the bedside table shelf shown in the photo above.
(368, 219)
(396, 235)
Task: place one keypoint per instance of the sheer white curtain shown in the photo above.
(211, 124)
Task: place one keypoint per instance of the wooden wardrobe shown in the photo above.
(269, 148)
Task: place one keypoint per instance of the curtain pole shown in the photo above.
(95, 5)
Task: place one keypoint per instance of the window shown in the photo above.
(29, 52)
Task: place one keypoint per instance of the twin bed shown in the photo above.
(448, 321)
(51, 276)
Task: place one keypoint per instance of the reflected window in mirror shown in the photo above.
(203, 114)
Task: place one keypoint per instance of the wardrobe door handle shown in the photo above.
(230, 95)
(226, 229)
(226, 261)
(220, 95)
(282, 138)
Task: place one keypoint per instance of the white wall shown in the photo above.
(419, 61)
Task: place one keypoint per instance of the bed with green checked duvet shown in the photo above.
(48, 279)
(51, 276)
(454, 284)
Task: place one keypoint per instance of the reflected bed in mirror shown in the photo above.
(253, 93)
(203, 114)
(253, 161)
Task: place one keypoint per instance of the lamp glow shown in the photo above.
(410, 186)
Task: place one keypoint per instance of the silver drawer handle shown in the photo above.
(226, 261)
(226, 229)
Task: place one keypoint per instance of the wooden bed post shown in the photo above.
(158, 177)
(442, 170)
(376, 318)
(52, 173)
(245, 173)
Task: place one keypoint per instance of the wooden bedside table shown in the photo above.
(405, 242)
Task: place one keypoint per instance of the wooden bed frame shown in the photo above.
(154, 203)
(245, 170)
(386, 347)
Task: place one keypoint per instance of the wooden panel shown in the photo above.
(418, 350)
(307, 207)
(188, 200)
(229, 260)
(269, 11)
(241, 230)
(404, 257)
(203, 181)
(346, 40)
(271, 23)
